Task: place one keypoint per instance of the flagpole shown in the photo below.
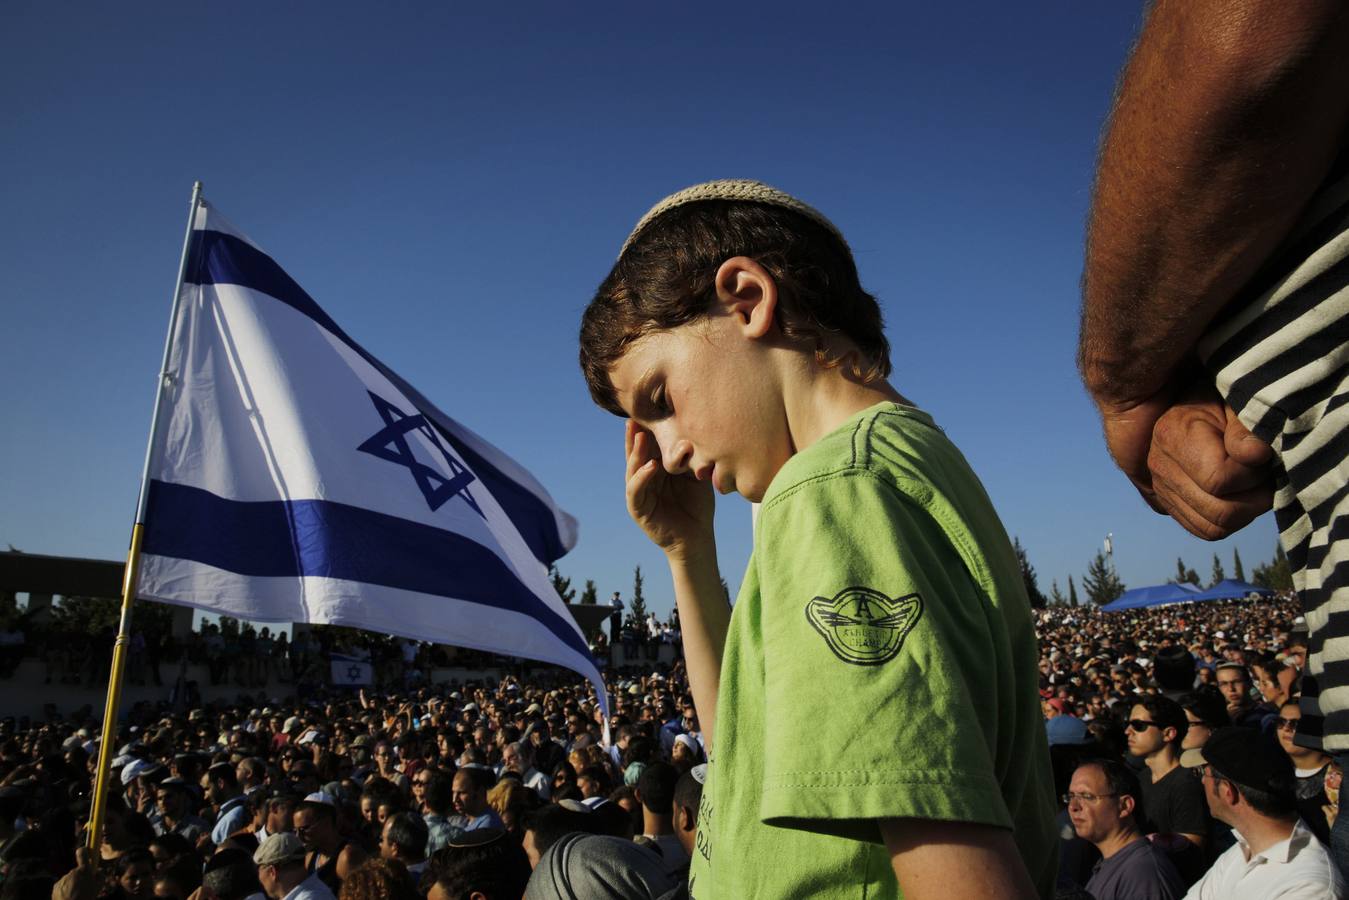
(131, 574)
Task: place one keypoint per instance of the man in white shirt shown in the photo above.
(518, 757)
(1248, 783)
(281, 870)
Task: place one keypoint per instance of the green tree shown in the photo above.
(590, 596)
(1277, 575)
(1238, 571)
(1184, 575)
(89, 615)
(1072, 592)
(637, 605)
(95, 615)
(1218, 573)
(1056, 597)
(1101, 582)
(1037, 599)
(561, 585)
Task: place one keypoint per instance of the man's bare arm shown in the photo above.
(934, 859)
(1228, 116)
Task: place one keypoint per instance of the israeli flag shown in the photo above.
(351, 670)
(296, 478)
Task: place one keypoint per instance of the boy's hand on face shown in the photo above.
(675, 511)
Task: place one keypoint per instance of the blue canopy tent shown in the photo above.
(1158, 595)
(1231, 589)
(1166, 594)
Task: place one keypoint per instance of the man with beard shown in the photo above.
(330, 856)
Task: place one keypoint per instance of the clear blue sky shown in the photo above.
(451, 185)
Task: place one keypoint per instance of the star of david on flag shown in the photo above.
(390, 443)
(294, 477)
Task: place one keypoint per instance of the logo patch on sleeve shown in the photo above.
(862, 626)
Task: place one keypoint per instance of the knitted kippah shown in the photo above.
(732, 189)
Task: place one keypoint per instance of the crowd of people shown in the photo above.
(445, 791)
(1178, 754)
(513, 789)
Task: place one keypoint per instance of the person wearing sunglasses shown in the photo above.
(420, 779)
(1205, 711)
(1249, 784)
(1309, 770)
(1174, 802)
(1105, 808)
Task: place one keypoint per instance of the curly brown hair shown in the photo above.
(378, 879)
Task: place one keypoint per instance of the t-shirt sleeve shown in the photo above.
(879, 659)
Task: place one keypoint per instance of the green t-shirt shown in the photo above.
(881, 662)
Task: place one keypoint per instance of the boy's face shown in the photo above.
(710, 397)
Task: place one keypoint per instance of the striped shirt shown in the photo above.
(1280, 357)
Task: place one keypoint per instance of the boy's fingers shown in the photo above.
(630, 454)
(644, 449)
(636, 454)
(639, 497)
(644, 474)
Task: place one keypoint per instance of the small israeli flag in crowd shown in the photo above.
(296, 478)
(349, 671)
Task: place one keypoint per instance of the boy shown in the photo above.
(870, 709)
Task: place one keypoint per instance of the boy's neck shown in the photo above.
(1162, 761)
(826, 398)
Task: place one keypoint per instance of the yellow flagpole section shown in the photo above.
(131, 576)
(109, 733)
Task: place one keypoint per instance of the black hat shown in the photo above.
(1248, 759)
(1174, 668)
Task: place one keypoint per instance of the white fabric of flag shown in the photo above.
(296, 478)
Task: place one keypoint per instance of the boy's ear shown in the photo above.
(685, 819)
(746, 291)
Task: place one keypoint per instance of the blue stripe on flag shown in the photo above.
(219, 258)
(279, 538)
